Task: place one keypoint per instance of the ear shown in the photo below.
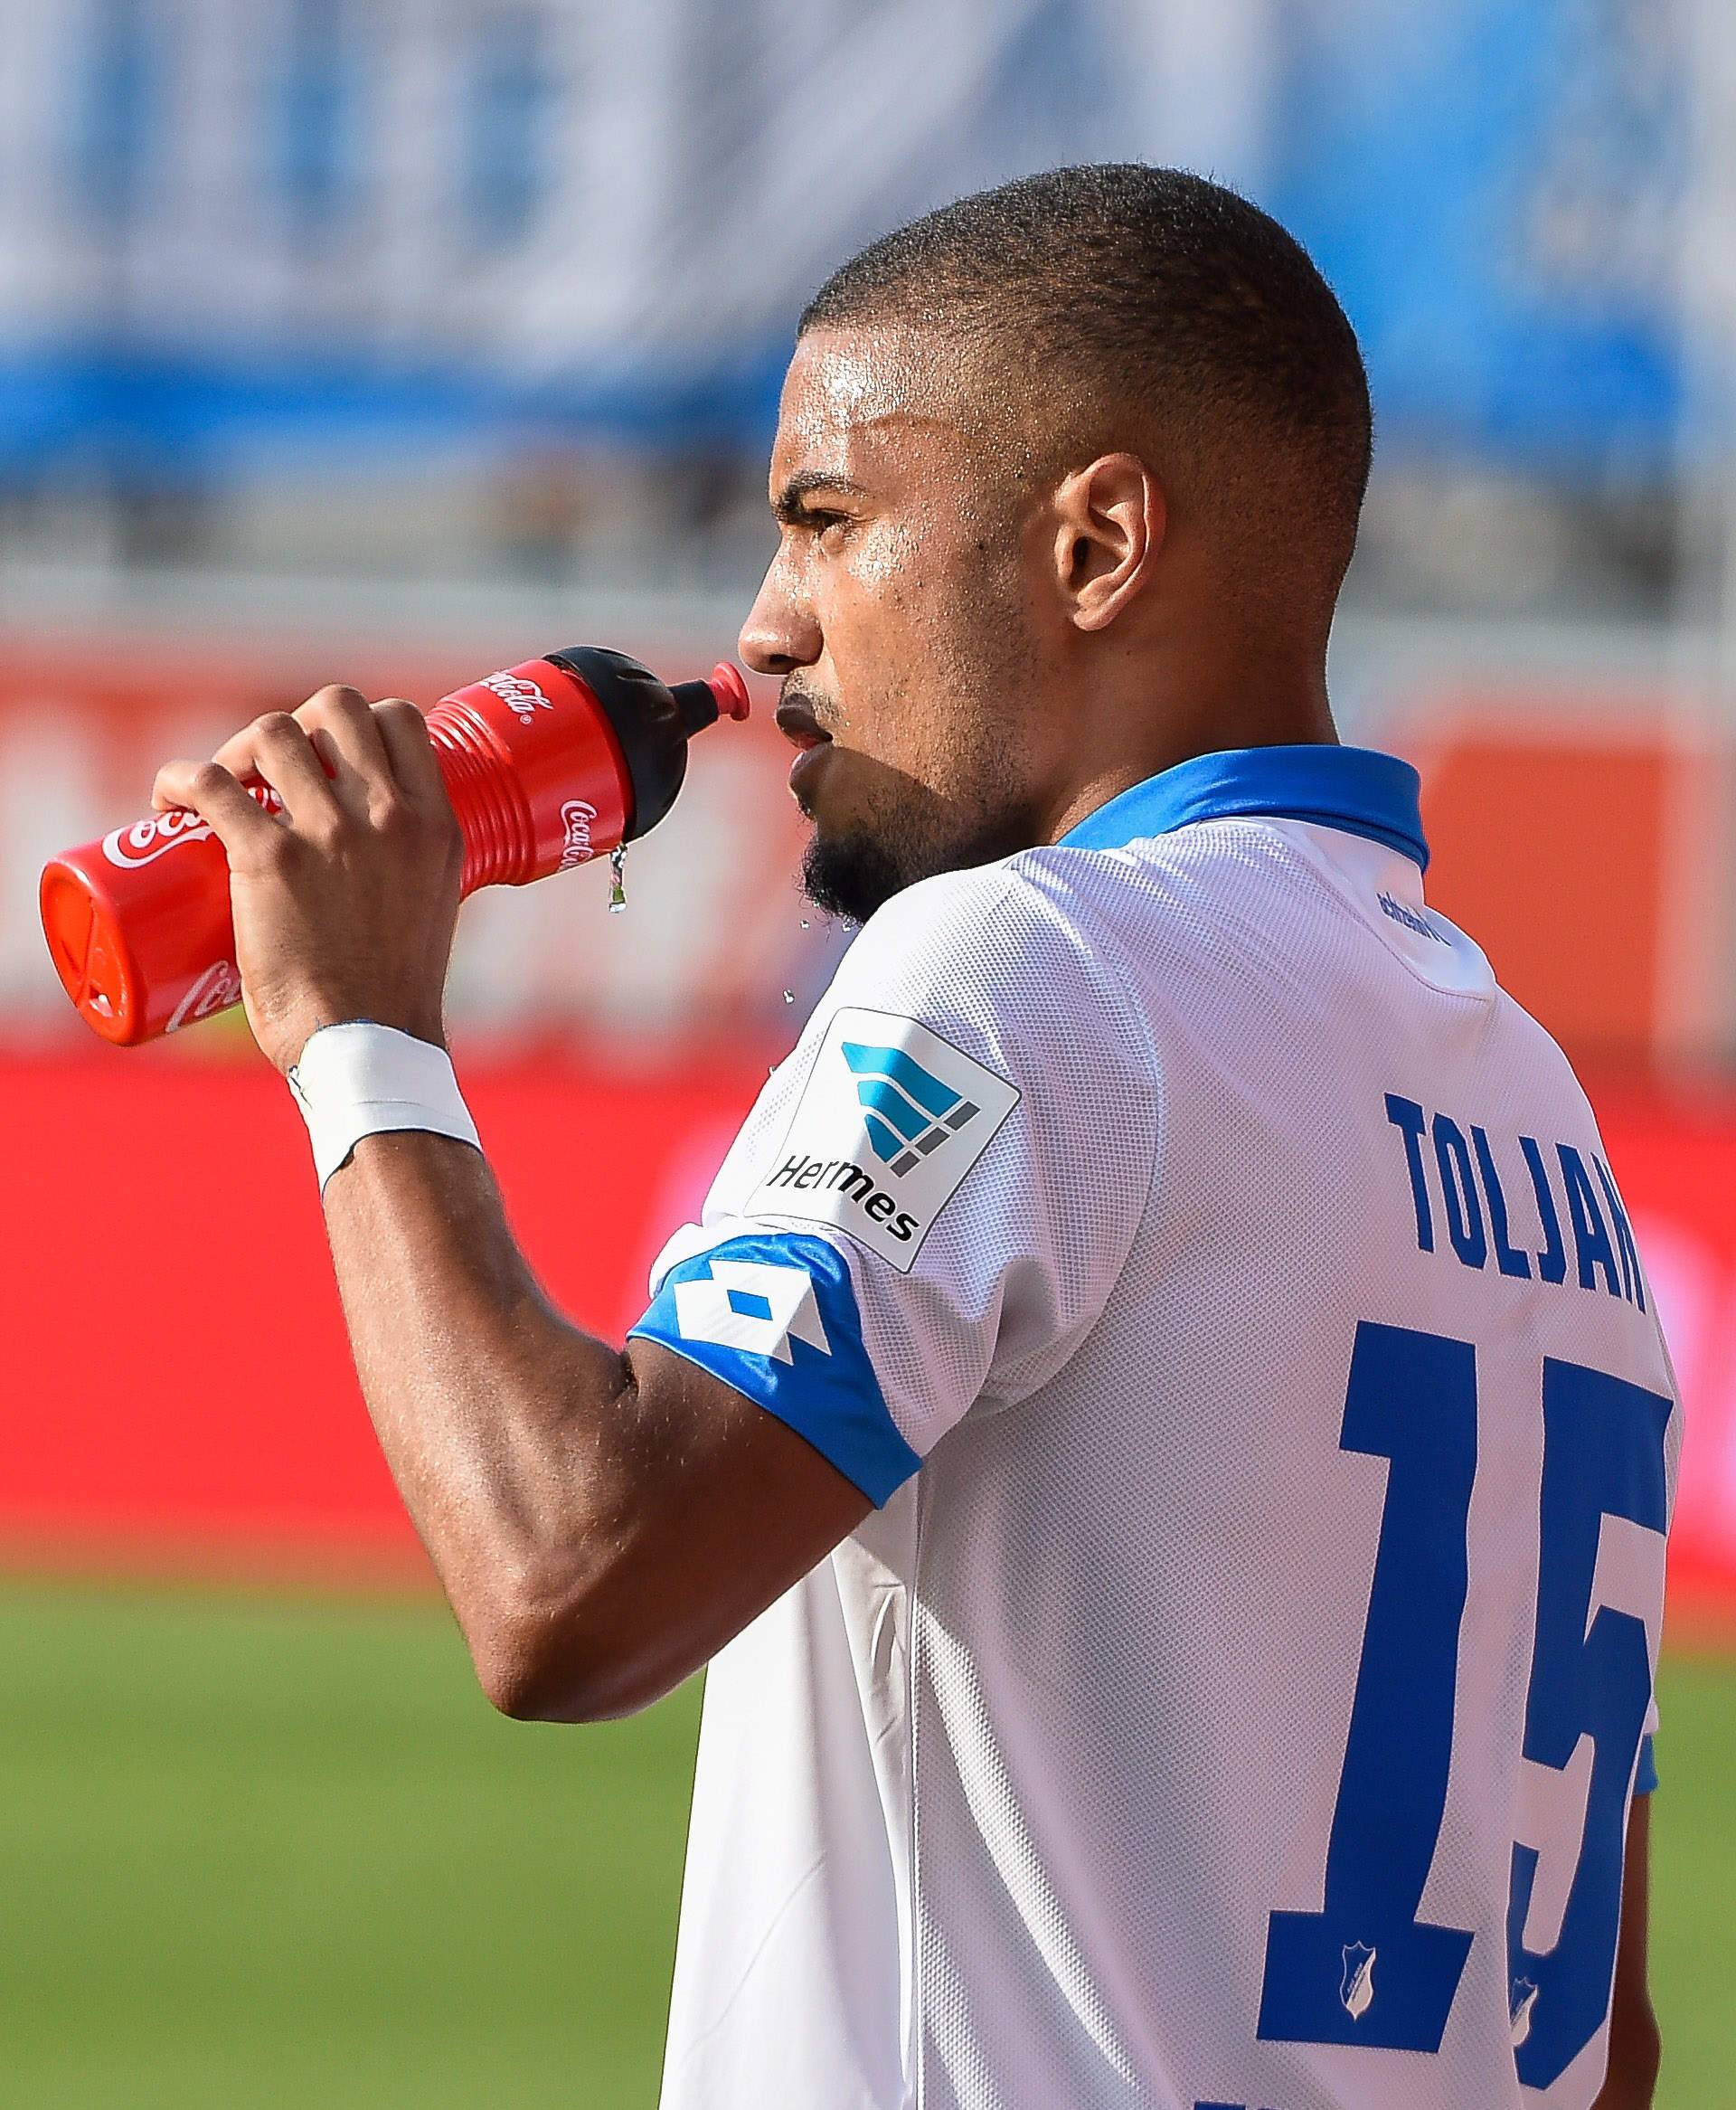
(1109, 521)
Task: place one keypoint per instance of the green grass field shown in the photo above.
(262, 1853)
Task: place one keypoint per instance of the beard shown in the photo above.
(979, 802)
(911, 833)
(850, 878)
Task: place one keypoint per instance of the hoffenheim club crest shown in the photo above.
(1524, 1998)
(1356, 1987)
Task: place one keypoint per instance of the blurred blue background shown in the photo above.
(268, 262)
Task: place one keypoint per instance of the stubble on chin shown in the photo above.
(965, 803)
(851, 875)
(858, 870)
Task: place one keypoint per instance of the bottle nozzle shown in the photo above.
(723, 693)
(727, 685)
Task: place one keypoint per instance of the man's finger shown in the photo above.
(215, 794)
(283, 757)
(239, 753)
(339, 723)
(404, 731)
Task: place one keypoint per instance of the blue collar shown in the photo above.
(1356, 788)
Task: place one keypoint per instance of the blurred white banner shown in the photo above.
(550, 187)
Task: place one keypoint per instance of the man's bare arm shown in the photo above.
(1634, 2047)
(601, 1523)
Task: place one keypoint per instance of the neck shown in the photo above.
(1141, 728)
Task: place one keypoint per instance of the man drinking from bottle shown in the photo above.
(1161, 1431)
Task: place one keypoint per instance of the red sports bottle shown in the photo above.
(548, 765)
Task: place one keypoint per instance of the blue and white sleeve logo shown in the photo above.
(755, 1305)
(890, 1122)
(774, 1315)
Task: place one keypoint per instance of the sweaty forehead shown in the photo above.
(863, 399)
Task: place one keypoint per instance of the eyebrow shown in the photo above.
(791, 505)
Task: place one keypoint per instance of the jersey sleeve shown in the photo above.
(936, 1215)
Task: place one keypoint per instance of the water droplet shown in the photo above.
(790, 995)
(804, 922)
(617, 869)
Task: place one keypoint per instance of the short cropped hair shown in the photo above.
(1136, 299)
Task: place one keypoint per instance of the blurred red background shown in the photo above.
(182, 1393)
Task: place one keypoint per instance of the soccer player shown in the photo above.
(1161, 1433)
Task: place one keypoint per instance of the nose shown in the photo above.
(781, 632)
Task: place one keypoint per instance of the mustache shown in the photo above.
(821, 709)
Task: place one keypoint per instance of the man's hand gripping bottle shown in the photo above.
(548, 765)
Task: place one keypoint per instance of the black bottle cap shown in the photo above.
(652, 722)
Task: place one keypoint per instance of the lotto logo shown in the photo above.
(908, 1110)
(752, 1305)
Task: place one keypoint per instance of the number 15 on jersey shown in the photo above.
(1366, 1969)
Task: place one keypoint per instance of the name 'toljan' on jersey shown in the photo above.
(1237, 1692)
(1604, 1254)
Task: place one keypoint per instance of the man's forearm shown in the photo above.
(1631, 2079)
(602, 1524)
(505, 1428)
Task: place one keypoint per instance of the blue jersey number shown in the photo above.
(1603, 1456)
(1365, 1970)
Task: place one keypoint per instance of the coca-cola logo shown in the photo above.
(523, 699)
(157, 834)
(576, 817)
(215, 990)
(146, 841)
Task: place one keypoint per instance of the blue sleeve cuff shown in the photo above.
(1646, 1779)
(774, 1317)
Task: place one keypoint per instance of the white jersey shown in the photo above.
(1234, 1700)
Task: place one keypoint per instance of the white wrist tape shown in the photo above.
(367, 1080)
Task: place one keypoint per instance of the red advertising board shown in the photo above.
(1675, 1158)
(180, 1385)
(180, 1382)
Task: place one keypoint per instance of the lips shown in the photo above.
(797, 723)
(804, 731)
